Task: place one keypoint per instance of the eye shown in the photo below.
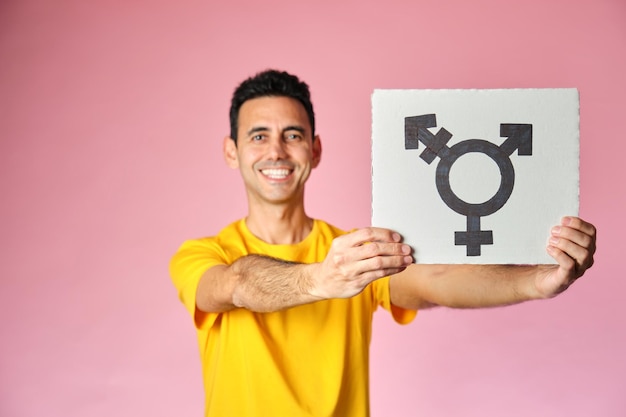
(257, 138)
(293, 136)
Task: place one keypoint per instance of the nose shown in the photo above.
(277, 149)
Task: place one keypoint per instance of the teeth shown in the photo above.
(275, 173)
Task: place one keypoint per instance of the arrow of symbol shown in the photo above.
(519, 136)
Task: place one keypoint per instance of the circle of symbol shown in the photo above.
(507, 180)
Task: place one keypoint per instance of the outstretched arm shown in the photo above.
(572, 244)
(264, 284)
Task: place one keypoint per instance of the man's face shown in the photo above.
(275, 150)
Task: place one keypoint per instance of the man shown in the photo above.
(283, 302)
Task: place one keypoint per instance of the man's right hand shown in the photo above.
(358, 258)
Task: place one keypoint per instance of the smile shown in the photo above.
(276, 173)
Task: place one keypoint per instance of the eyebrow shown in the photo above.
(296, 128)
(257, 129)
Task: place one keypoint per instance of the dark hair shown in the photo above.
(267, 84)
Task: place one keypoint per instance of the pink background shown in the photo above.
(111, 120)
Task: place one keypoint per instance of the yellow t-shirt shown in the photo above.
(310, 360)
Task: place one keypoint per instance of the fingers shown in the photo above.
(368, 254)
(579, 224)
(371, 234)
(383, 260)
(578, 231)
(370, 243)
(563, 259)
(574, 239)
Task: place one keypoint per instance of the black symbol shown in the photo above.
(519, 136)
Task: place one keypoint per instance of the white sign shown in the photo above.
(475, 176)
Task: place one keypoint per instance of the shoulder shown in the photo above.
(218, 243)
(327, 229)
(236, 229)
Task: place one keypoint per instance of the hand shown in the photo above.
(572, 244)
(358, 258)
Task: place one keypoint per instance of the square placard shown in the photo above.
(475, 176)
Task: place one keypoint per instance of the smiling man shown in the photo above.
(283, 302)
(275, 151)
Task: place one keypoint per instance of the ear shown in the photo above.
(230, 152)
(317, 151)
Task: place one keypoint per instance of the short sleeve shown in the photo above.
(383, 298)
(187, 267)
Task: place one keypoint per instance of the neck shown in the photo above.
(280, 225)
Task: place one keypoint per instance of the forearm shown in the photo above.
(472, 286)
(267, 284)
(464, 286)
(257, 283)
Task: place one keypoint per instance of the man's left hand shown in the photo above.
(572, 244)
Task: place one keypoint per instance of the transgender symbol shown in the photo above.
(519, 136)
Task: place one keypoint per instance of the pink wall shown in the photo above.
(111, 119)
